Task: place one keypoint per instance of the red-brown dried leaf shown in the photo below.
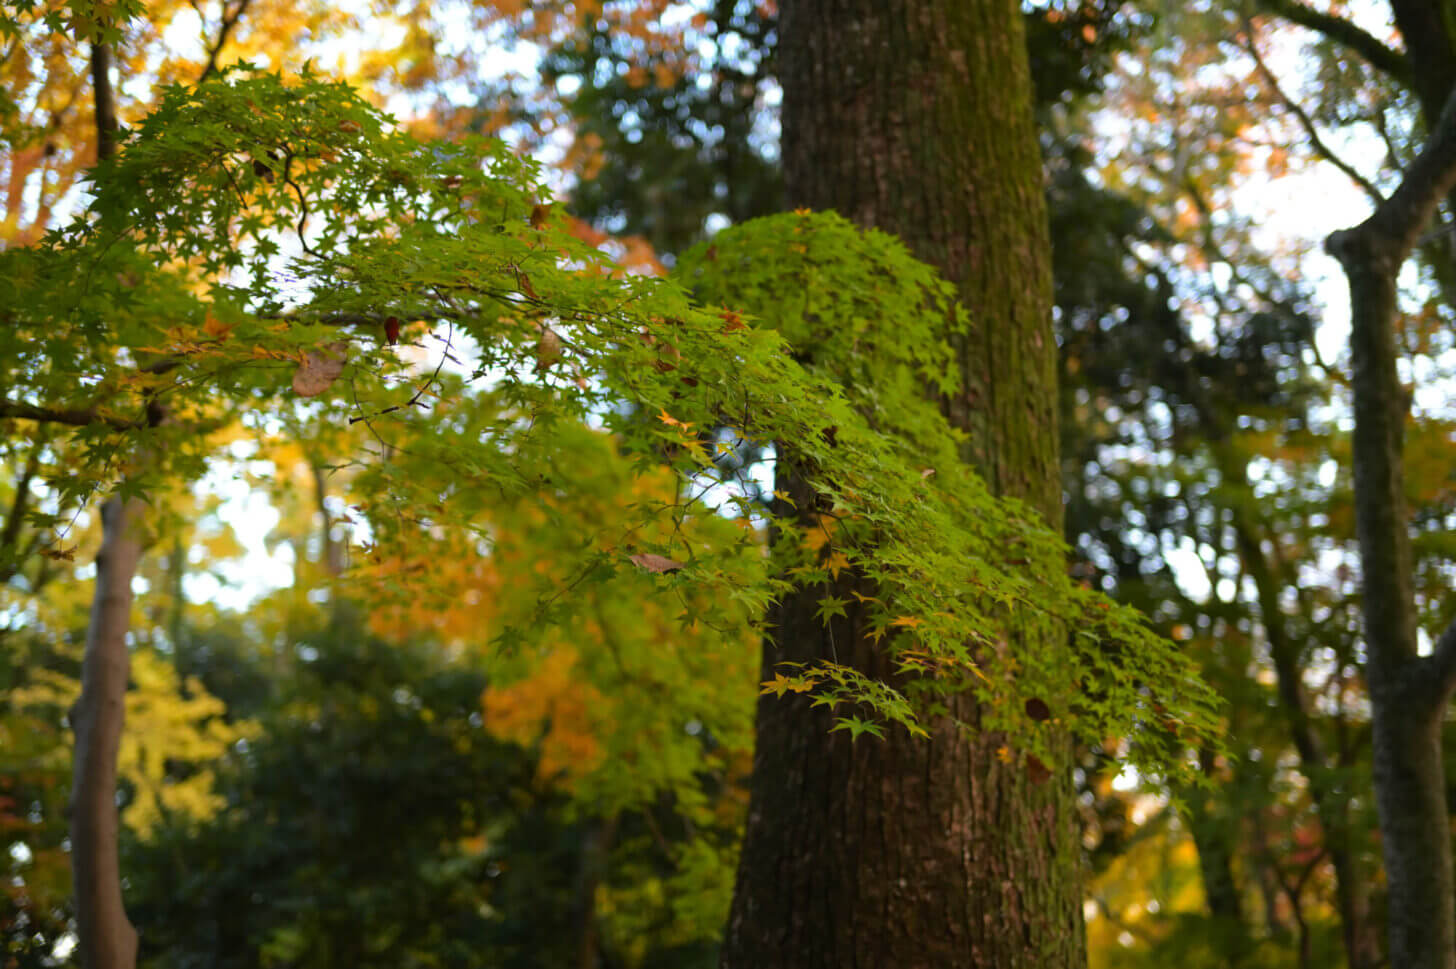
(657, 564)
(320, 368)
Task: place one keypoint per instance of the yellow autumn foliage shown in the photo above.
(571, 712)
(170, 743)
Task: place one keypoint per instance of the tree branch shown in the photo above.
(1385, 59)
(10, 534)
(228, 23)
(1440, 666)
(1305, 121)
(105, 100)
(74, 416)
(1395, 226)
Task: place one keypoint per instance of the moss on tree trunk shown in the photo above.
(914, 116)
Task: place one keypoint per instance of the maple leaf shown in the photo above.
(831, 606)
(320, 368)
(524, 282)
(657, 564)
(548, 349)
(671, 421)
(856, 726)
(778, 686)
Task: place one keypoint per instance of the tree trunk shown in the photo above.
(1427, 28)
(1408, 692)
(1215, 835)
(914, 116)
(106, 939)
(105, 936)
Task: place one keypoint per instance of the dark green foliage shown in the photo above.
(341, 843)
(375, 823)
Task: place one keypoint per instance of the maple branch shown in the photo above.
(228, 23)
(1391, 62)
(10, 535)
(349, 319)
(73, 416)
(1305, 121)
(302, 208)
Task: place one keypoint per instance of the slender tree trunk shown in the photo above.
(105, 99)
(1409, 693)
(105, 937)
(914, 116)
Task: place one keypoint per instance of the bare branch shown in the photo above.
(1440, 666)
(228, 23)
(1305, 121)
(1391, 62)
(1396, 224)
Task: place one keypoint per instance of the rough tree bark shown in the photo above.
(105, 936)
(1409, 693)
(914, 116)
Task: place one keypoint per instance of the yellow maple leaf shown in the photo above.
(671, 421)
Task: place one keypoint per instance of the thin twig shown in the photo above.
(1305, 121)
